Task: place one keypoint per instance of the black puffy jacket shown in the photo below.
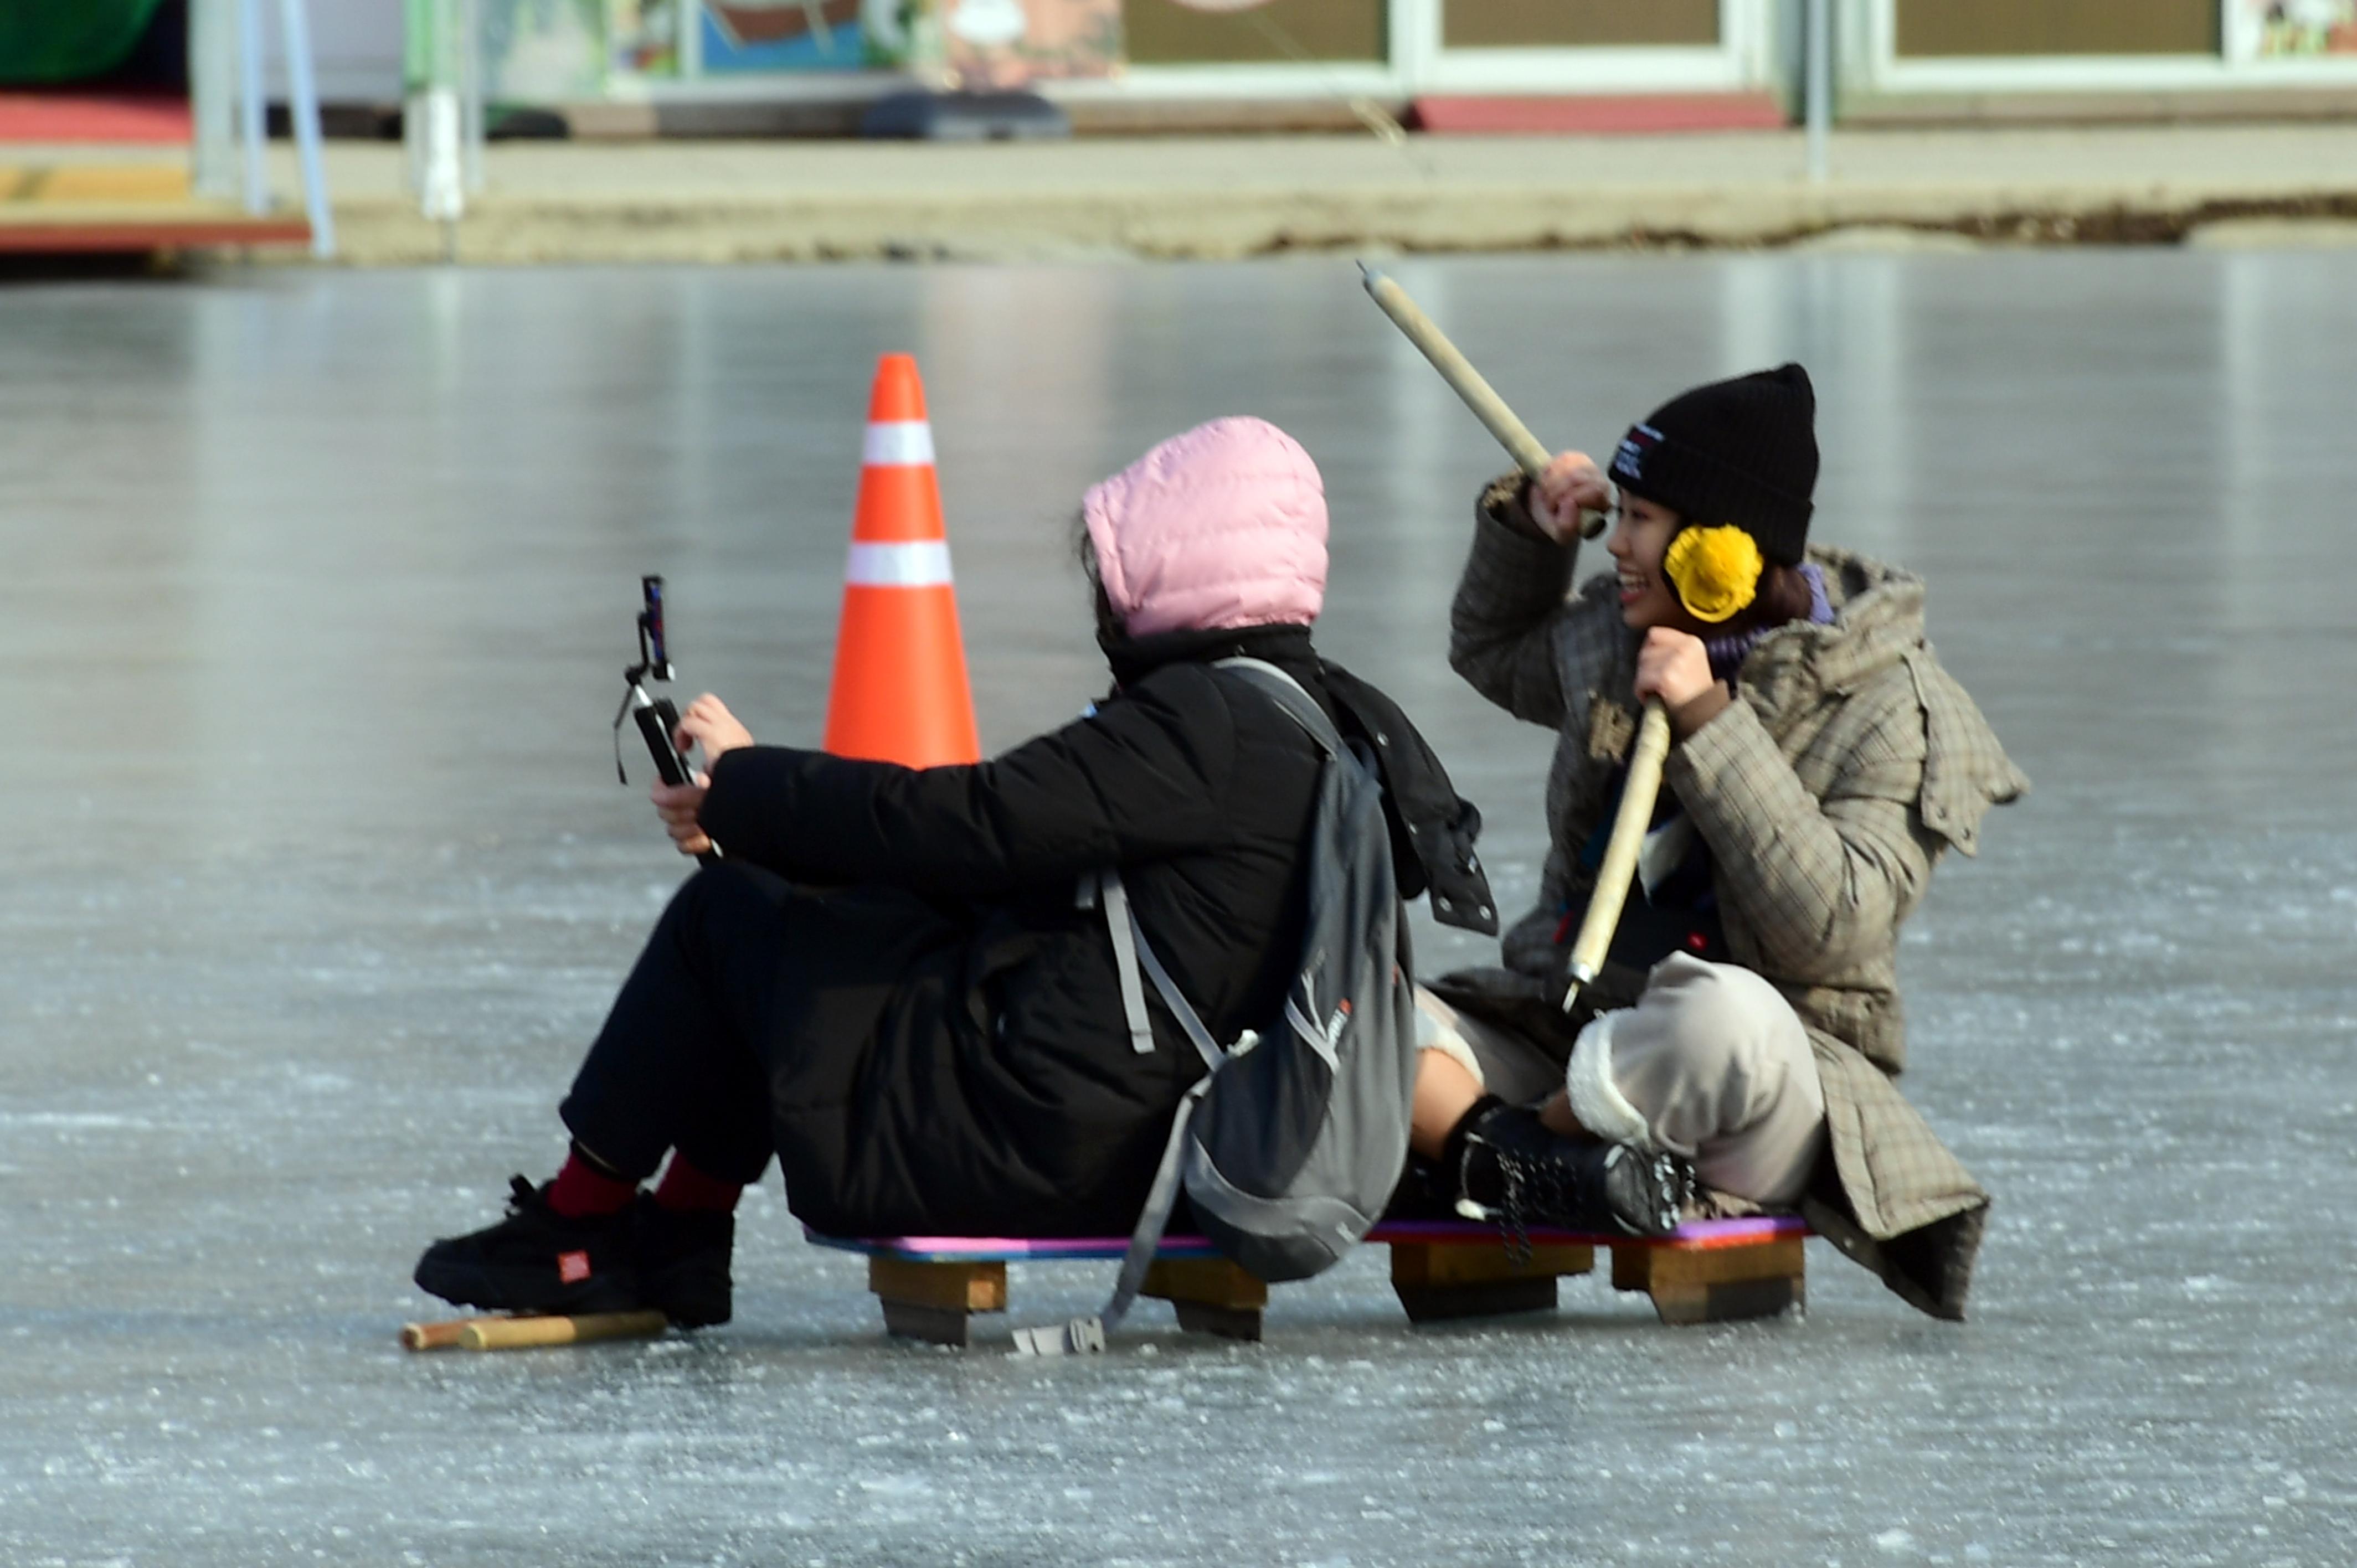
(952, 1057)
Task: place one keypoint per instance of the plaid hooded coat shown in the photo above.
(1849, 762)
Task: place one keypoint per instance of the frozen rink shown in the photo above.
(317, 880)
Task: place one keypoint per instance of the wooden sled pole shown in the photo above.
(431, 1336)
(1619, 866)
(526, 1333)
(1612, 878)
(1468, 383)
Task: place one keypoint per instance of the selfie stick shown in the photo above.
(1652, 745)
(657, 719)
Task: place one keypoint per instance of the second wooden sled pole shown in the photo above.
(1620, 867)
(529, 1333)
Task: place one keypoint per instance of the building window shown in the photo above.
(1578, 24)
(1933, 29)
(1163, 32)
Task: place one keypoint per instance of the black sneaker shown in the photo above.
(1517, 1173)
(1427, 1191)
(683, 1261)
(538, 1260)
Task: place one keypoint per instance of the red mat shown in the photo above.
(116, 237)
(1601, 114)
(127, 117)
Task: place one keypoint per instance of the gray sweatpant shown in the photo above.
(1711, 1064)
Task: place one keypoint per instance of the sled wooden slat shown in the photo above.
(1210, 1296)
(959, 1287)
(1436, 1281)
(932, 1300)
(1716, 1285)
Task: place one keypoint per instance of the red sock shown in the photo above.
(581, 1191)
(685, 1187)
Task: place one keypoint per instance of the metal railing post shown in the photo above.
(302, 109)
(212, 97)
(252, 98)
(1817, 76)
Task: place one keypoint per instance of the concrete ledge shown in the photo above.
(1215, 197)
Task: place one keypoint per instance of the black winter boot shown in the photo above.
(538, 1260)
(1516, 1171)
(683, 1261)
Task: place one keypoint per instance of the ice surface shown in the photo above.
(317, 879)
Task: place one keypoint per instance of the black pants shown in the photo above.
(756, 999)
(680, 1061)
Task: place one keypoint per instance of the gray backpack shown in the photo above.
(1290, 1144)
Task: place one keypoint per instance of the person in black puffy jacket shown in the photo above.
(889, 982)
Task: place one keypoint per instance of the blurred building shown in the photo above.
(786, 66)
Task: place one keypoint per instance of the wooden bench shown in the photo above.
(1710, 1271)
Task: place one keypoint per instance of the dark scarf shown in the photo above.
(1285, 646)
(1432, 828)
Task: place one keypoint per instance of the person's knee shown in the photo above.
(720, 893)
(1437, 1030)
(1708, 1051)
(1720, 1021)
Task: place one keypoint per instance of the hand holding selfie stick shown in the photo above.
(657, 719)
(1652, 744)
(1459, 373)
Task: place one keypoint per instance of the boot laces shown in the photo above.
(1541, 1187)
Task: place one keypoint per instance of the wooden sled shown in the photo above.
(933, 1288)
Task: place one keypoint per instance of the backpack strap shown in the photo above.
(1289, 695)
(1132, 954)
(1131, 951)
(1103, 889)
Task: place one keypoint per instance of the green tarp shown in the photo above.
(47, 41)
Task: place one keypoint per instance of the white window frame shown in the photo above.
(1743, 58)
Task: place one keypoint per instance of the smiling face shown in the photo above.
(1640, 539)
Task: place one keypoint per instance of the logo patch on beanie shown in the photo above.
(1629, 458)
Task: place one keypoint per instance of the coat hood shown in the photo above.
(1877, 626)
(1223, 526)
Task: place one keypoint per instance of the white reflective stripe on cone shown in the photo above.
(923, 563)
(899, 444)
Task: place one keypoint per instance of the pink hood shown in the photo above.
(1224, 526)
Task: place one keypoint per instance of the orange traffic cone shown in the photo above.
(900, 692)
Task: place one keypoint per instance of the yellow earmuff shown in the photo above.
(1715, 570)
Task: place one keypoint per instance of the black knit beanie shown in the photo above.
(1741, 451)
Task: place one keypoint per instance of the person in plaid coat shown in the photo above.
(1823, 762)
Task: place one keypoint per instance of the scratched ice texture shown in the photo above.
(315, 594)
